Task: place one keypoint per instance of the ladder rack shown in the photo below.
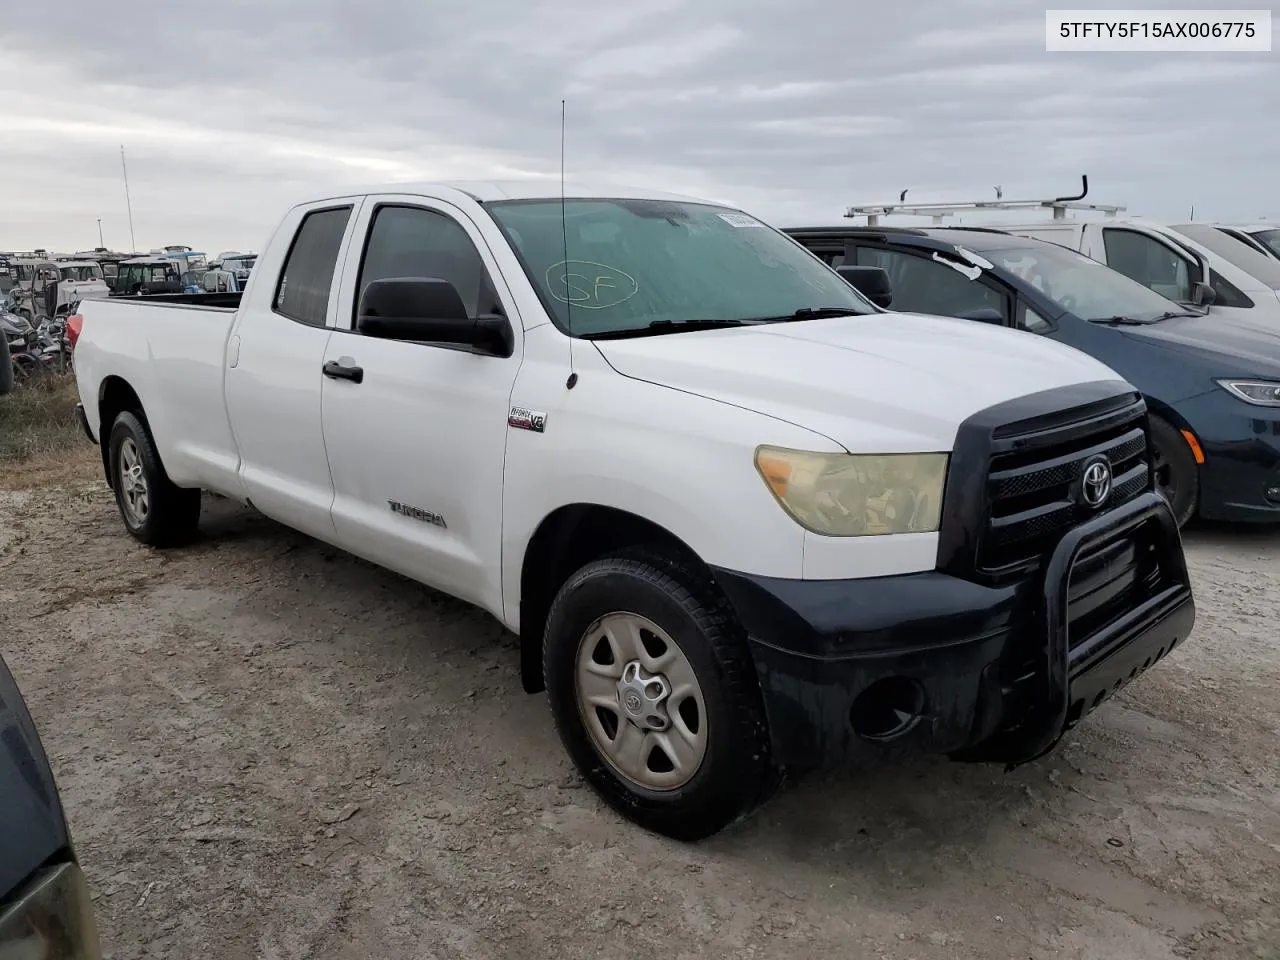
(1059, 205)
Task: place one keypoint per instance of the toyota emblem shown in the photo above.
(1096, 482)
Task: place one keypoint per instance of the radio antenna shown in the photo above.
(564, 235)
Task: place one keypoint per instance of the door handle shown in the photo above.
(339, 371)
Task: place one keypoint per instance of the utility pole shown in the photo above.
(128, 203)
(100, 243)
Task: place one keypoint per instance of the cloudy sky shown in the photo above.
(229, 111)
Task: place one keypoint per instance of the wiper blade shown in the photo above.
(1123, 321)
(659, 327)
(813, 313)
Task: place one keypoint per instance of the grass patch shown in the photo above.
(40, 439)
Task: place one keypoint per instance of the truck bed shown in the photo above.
(214, 301)
(172, 353)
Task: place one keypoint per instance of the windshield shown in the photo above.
(81, 272)
(634, 263)
(1269, 239)
(1089, 289)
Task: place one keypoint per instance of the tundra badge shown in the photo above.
(523, 418)
(417, 513)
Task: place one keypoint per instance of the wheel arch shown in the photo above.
(115, 396)
(568, 538)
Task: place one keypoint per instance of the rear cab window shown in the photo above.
(302, 293)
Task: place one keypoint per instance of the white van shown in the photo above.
(1176, 261)
(1266, 236)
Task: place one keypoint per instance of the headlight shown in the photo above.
(1261, 393)
(863, 495)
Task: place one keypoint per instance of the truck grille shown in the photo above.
(1035, 485)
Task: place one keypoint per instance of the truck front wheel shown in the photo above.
(655, 697)
(154, 510)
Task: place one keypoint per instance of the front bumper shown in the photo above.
(946, 665)
(1240, 476)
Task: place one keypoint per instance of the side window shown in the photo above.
(1032, 322)
(303, 293)
(832, 258)
(415, 242)
(1148, 261)
(921, 285)
(1229, 295)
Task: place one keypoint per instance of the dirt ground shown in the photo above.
(270, 750)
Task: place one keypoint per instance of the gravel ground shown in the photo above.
(270, 750)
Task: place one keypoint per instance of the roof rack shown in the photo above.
(1059, 205)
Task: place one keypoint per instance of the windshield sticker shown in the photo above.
(971, 272)
(590, 285)
(739, 220)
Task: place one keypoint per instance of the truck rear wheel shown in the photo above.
(154, 510)
(1177, 475)
(655, 696)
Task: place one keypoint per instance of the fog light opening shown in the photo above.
(888, 709)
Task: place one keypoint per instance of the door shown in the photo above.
(416, 447)
(274, 355)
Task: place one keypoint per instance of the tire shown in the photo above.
(172, 513)
(1177, 474)
(734, 772)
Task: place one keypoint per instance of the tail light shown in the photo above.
(74, 323)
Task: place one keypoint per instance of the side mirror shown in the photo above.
(872, 282)
(983, 315)
(429, 310)
(1202, 294)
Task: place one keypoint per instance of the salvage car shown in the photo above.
(1213, 385)
(45, 906)
(742, 520)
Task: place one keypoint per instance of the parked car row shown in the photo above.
(44, 285)
(1202, 340)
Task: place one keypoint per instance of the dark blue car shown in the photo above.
(1212, 388)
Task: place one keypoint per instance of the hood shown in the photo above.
(881, 383)
(1233, 347)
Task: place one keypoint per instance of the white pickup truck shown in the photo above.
(743, 520)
